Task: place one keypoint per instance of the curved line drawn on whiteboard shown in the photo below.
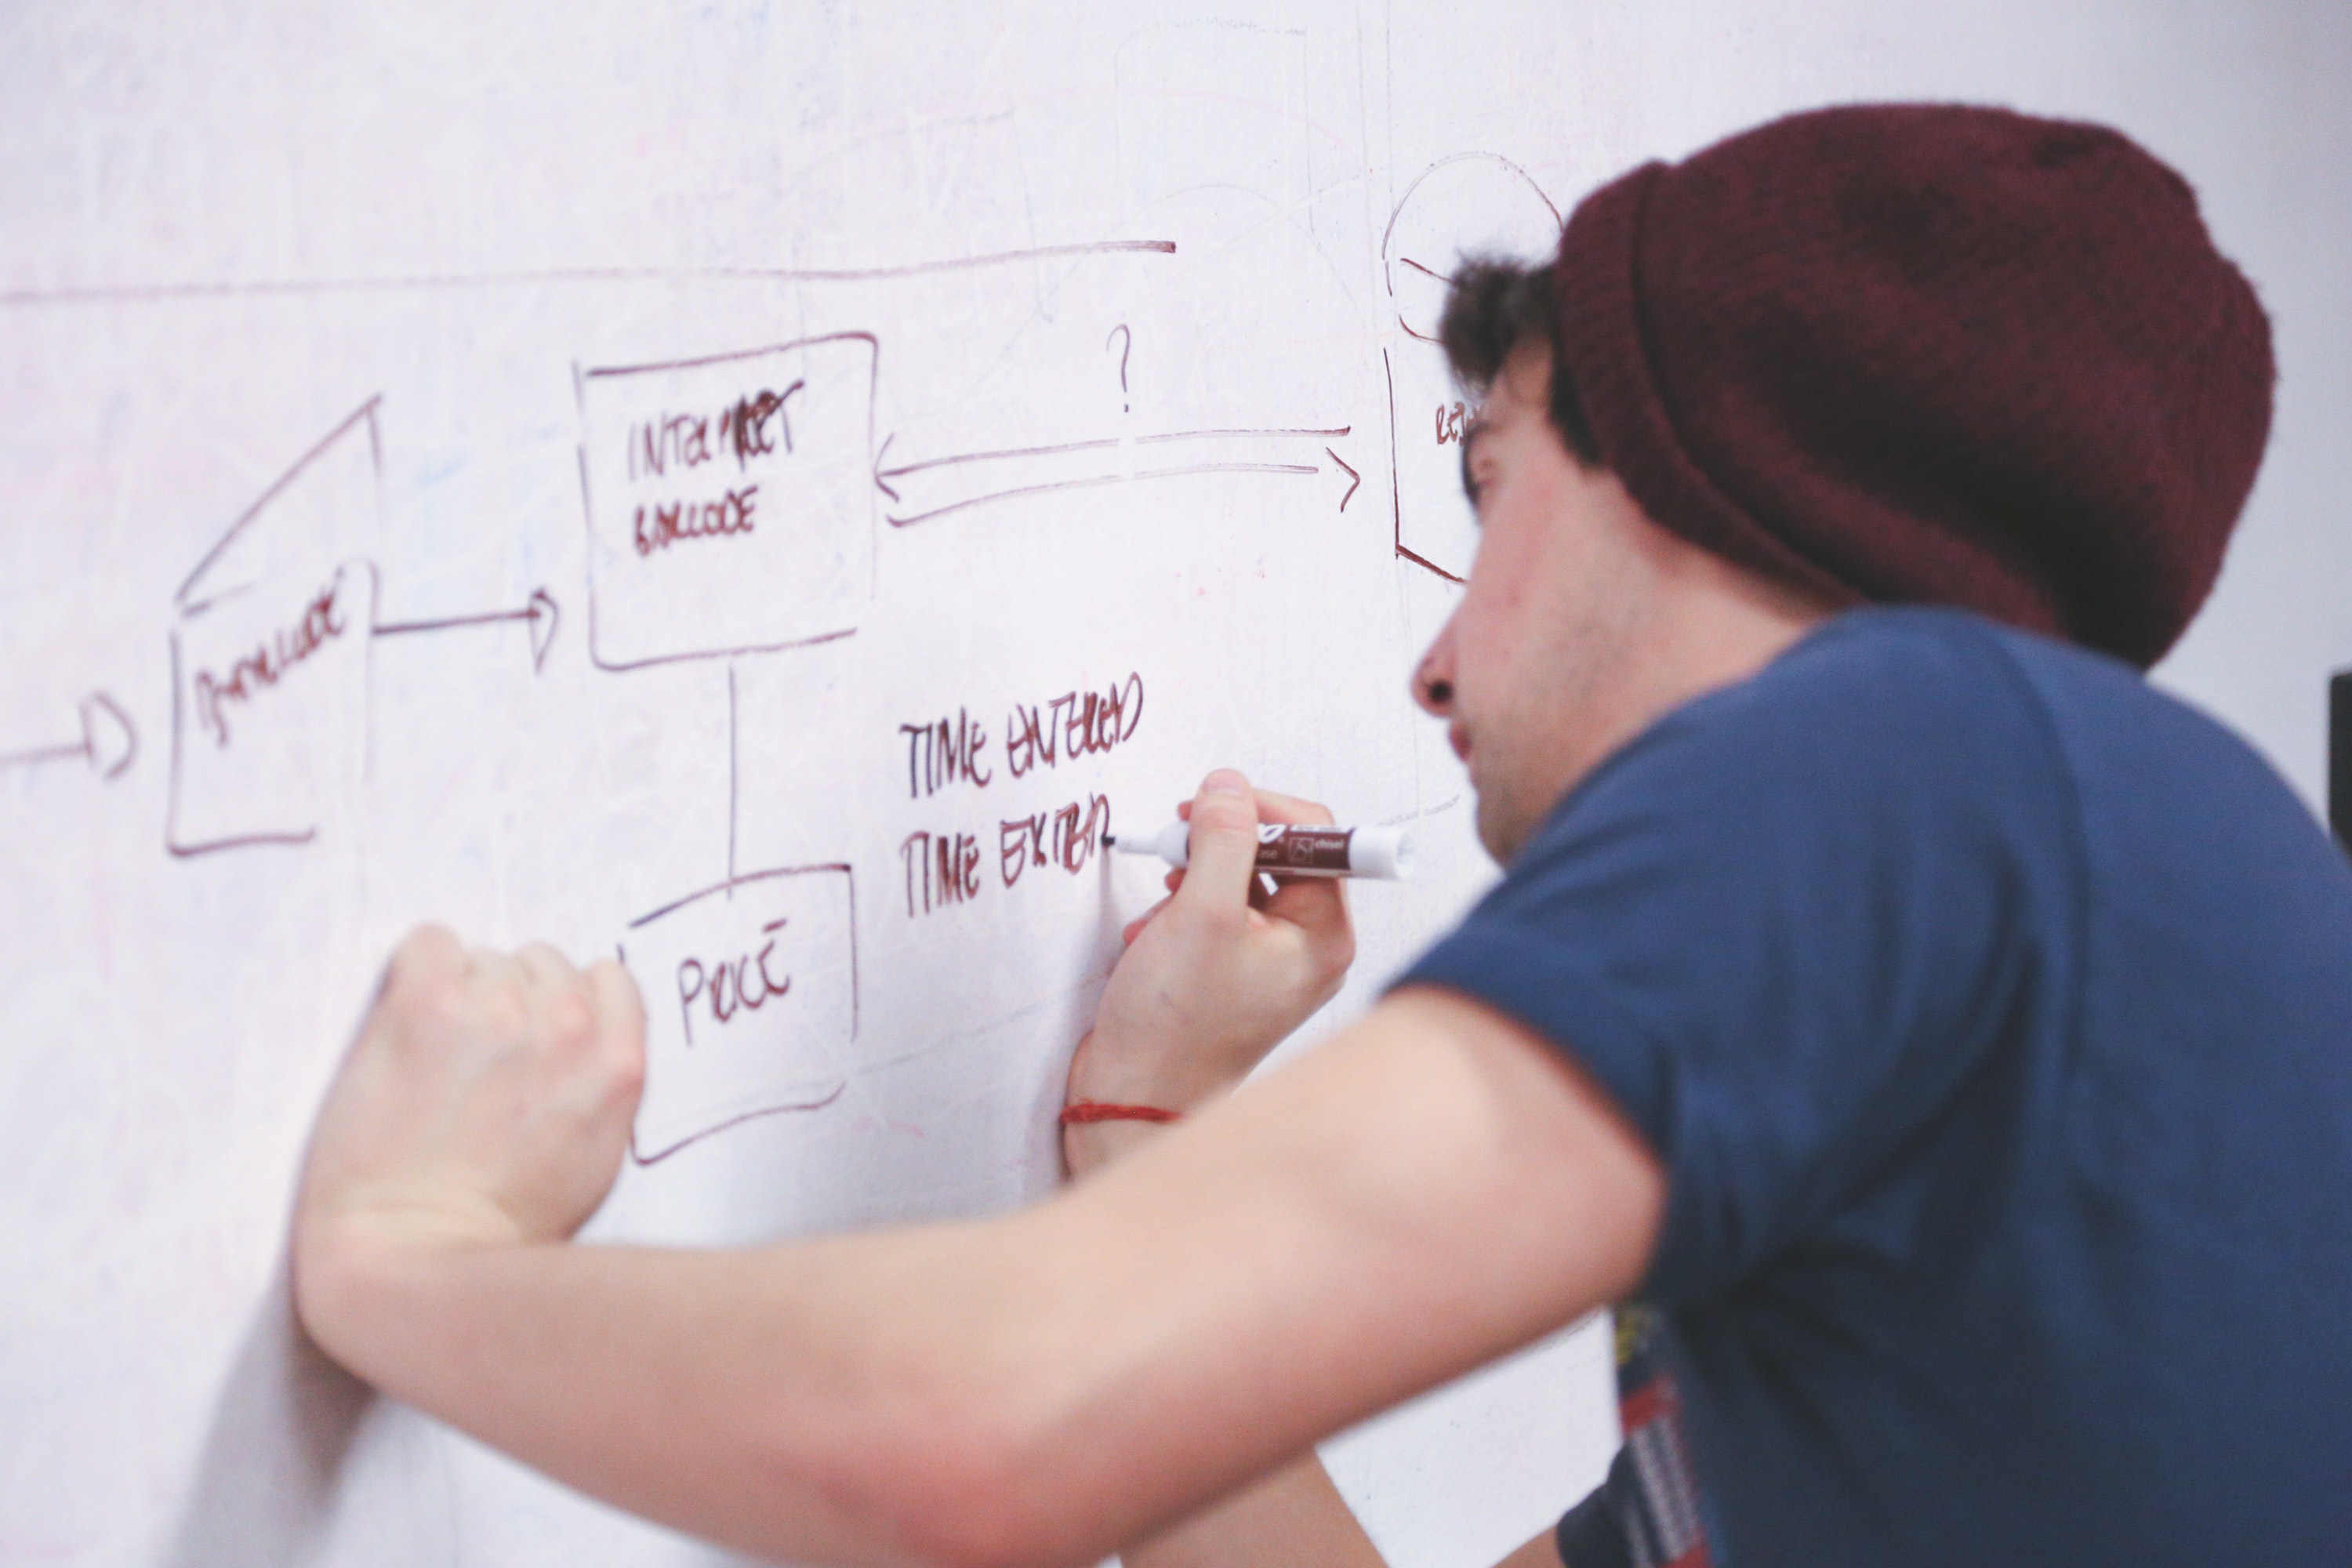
(1468, 203)
(1126, 336)
(540, 614)
(730, 500)
(109, 744)
(1043, 467)
(752, 994)
(158, 293)
(270, 656)
(1391, 257)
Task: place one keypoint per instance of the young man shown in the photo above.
(1940, 1033)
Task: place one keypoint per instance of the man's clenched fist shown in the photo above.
(488, 1100)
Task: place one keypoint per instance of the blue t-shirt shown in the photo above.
(1991, 1015)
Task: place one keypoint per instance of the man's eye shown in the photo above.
(1472, 484)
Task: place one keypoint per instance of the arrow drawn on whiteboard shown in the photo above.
(1354, 478)
(108, 742)
(540, 612)
(1045, 467)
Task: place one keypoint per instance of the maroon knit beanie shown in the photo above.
(1927, 352)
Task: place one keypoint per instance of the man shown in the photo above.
(1943, 1035)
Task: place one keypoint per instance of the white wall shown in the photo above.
(226, 230)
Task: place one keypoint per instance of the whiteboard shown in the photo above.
(758, 490)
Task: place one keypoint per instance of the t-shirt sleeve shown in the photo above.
(1784, 926)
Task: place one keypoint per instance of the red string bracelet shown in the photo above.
(1081, 1110)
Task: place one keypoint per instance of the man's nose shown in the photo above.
(1433, 679)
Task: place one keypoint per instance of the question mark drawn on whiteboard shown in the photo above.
(1126, 343)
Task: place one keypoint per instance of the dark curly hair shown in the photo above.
(1495, 306)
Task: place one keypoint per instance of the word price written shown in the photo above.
(727, 986)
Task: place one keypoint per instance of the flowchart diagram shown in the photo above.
(734, 504)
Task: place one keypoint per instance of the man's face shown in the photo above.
(1534, 670)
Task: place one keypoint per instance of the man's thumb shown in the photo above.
(1222, 858)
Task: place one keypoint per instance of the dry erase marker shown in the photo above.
(1286, 849)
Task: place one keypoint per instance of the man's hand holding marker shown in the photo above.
(1214, 976)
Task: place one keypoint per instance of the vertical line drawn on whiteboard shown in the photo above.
(269, 658)
(1396, 483)
(1465, 205)
(733, 790)
(751, 992)
(776, 552)
(109, 744)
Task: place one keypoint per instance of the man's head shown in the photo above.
(1901, 353)
(1583, 620)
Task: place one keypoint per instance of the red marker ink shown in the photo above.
(1290, 850)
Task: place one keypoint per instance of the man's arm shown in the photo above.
(1294, 1518)
(1427, 1190)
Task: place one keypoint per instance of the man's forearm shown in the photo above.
(1294, 1518)
(1419, 1196)
(807, 1402)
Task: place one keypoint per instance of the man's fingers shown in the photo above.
(1223, 855)
(1272, 808)
(1317, 905)
(424, 952)
(620, 1010)
(1134, 928)
(1275, 807)
(546, 968)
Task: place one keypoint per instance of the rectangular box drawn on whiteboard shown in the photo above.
(751, 992)
(730, 501)
(270, 657)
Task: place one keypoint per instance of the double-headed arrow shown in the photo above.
(1049, 460)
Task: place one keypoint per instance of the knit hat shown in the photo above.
(1928, 352)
